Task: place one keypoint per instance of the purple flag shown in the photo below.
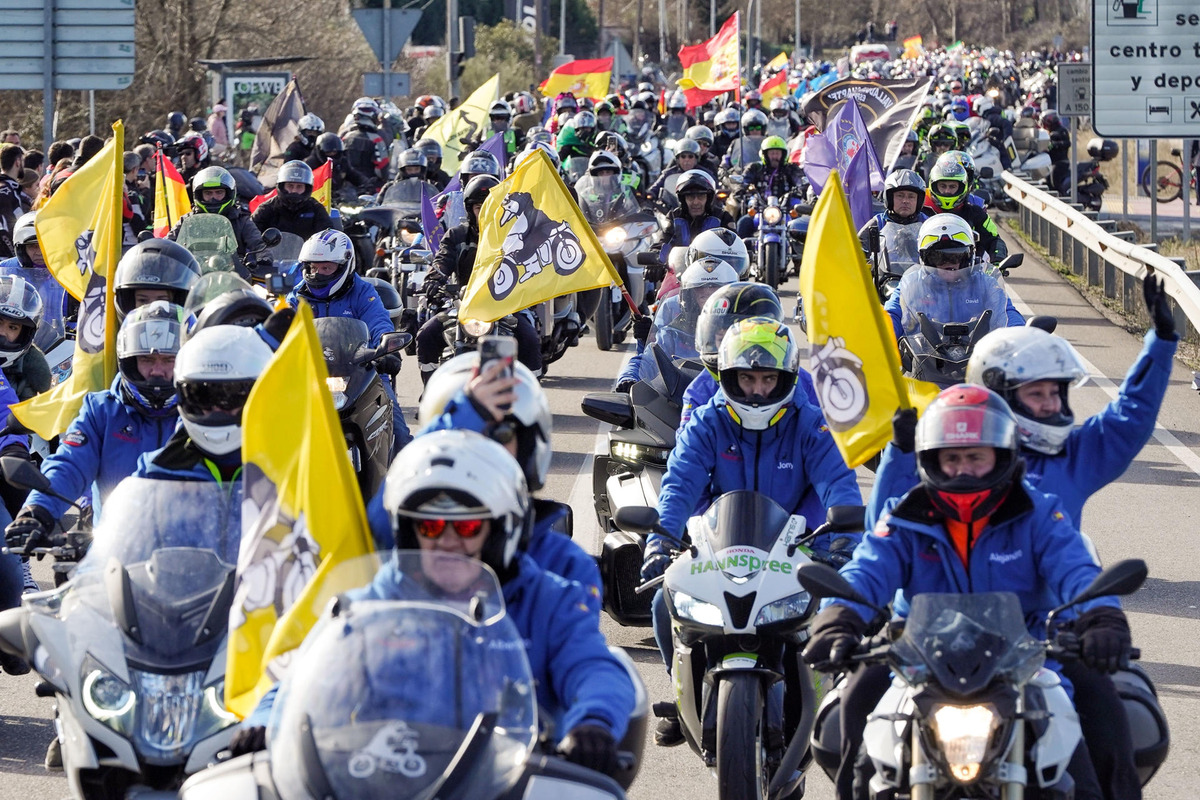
(819, 160)
(847, 132)
(495, 146)
(857, 182)
(430, 225)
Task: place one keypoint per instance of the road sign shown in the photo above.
(399, 84)
(1146, 59)
(91, 47)
(1075, 90)
(401, 22)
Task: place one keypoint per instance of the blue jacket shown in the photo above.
(982, 285)
(180, 460)
(714, 455)
(704, 386)
(1029, 547)
(101, 449)
(673, 342)
(578, 680)
(680, 232)
(358, 300)
(1095, 454)
(8, 397)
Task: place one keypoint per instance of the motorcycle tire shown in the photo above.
(741, 744)
(771, 264)
(604, 324)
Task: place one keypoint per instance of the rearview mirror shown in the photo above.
(1013, 261)
(271, 237)
(23, 474)
(1043, 322)
(393, 343)
(637, 519)
(845, 519)
(647, 259)
(822, 580)
(986, 173)
(1122, 578)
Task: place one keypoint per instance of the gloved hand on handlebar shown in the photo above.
(656, 560)
(248, 740)
(30, 529)
(836, 631)
(1104, 638)
(389, 364)
(904, 430)
(641, 327)
(1158, 308)
(592, 746)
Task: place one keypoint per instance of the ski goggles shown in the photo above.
(433, 528)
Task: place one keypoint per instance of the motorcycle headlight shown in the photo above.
(697, 611)
(337, 387)
(772, 215)
(614, 238)
(476, 327)
(639, 454)
(178, 710)
(791, 607)
(108, 698)
(963, 733)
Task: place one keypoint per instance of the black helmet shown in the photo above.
(158, 138)
(330, 142)
(431, 149)
(175, 122)
(728, 305)
(412, 157)
(153, 329)
(904, 180)
(154, 264)
(476, 190)
(480, 162)
(242, 307)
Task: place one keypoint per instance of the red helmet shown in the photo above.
(968, 416)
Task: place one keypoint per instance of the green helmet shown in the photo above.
(948, 169)
(214, 178)
(772, 143)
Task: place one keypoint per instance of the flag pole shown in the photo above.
(159, 177)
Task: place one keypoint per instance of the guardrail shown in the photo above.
(1102, 257)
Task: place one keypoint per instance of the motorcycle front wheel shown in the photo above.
(771, 258)
(604, 322)
(741, 742)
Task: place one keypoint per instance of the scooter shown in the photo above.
(981, 717)
(745, 700)
(133, 646)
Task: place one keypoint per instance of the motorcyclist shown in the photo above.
(949, 187)
(728, 129)
(310, 128)
(215, 192)
(687, 157)
(577, 139)
(903, 195)
(565, 108)
(941, 140)
(345, 178)
(607, 119)
(135, 415)
(745, 151)
(968, 163)
(138, 211)
(770, 176)
(782, 121)
(176, 121)
(293, 209)
(30, 264)
(525, 108)
(13, 202)
(191, 154)
(696, 191)
(366, 151)
(453, 263)
(433, 163)
(703, 136)
(949, 279)
(156, 269)
(971, 506)
(215, 371)
(675, 318)
(677, 120)
(753, 434)
(500, 114)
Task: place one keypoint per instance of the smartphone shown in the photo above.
(497, 348)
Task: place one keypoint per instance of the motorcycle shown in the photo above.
(982, 717)
(773, 241)
(449, 695)
(893, 252)
(745, 700)
(630, 472)
(363, 407)
(133, 646)
(624, 231)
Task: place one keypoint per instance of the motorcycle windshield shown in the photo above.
(677, 125)
(964, 641)
(743, 519)
(288, 249)
(342, 339)
(899, 242)
(575, 168)
(744, 150)
(605, 199)
(427, 693)
(211, 286)
(51, 330)
(405, 194)
(950, 297)
(211, 239)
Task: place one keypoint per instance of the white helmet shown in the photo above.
(529, 419)
(677, 102)
(328, 245)
(1008, 358)
(702, 277)
(24, 231)
(456, 476)
(311, 126)
(724, 244)
(214, 373)
(19, 303)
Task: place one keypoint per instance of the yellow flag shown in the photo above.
(534, 245)
(464, 122)
(302, 516)
(854, 360)
(80, 231)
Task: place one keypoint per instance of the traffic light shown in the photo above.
(456, 65)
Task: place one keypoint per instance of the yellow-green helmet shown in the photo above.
(772, 143)
(948, 169)
(946, 242)
(758, 343)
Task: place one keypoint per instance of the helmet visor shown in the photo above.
(948, 256)
(214, 403)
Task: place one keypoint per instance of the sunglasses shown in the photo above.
(433, 528)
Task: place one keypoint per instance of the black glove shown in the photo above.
(836, 631)
(656, 560)
(624, 386)
(641, 327)
(248, 740)
(278, 323)
(904, 430)
(30, 529)
(656, 273)
(591, 746)
(1104, 638)
(1158, 308)
(389, 364)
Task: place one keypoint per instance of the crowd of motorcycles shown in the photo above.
(136, 720)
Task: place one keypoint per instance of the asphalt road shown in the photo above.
(1150, 513)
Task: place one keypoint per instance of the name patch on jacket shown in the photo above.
(75, 439)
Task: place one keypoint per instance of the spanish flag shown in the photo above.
(304, 528)
(777, 63)
(774, 87)
(913, 47)
(711, 68)
(80, 229)
(534, 245)
(854, 361)
(464, 123)
(170, 195)
(322, 188)
(589, 77)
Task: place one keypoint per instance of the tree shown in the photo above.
(507, 48)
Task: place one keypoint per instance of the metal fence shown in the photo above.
(1103, 256)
